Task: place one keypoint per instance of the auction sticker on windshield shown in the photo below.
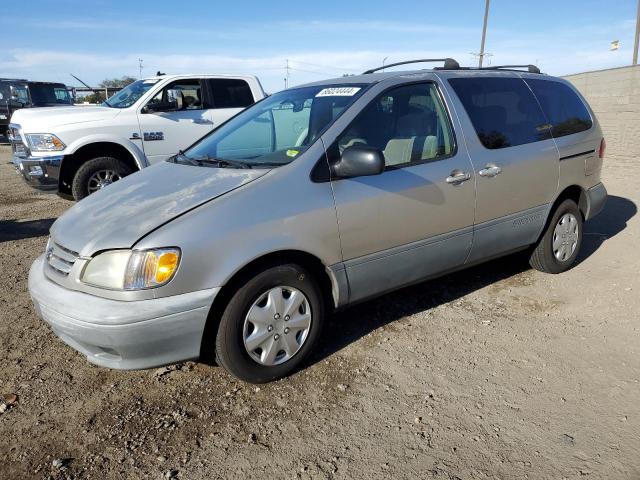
(338, 92)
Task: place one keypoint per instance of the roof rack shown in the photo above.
(449, 64)
(530, 68)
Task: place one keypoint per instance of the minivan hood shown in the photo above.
(42, 119)
(119, 215)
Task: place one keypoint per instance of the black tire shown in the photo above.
(543, 257)
(80, 185)
(230, 350)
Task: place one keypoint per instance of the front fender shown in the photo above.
(136, 151)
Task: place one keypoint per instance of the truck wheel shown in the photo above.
(96, 174)
(558, 248)
(270, 324)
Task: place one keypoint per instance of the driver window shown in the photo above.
(179, 95)
(409, 124)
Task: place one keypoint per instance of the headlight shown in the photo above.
(132, 269)
(45, 142)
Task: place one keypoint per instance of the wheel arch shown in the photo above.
(74, 161)
(576, 193)
(326, 281)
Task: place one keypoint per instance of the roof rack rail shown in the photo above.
(449, 64)
(530, 68)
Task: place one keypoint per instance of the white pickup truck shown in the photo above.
(79, 150)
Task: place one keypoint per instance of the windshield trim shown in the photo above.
(364, 87)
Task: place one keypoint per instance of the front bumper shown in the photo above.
(39, 172)
(118, 334)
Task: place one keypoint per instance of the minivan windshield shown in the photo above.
(274, 131)
(130, 94)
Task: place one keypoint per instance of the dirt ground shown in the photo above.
(495, 372)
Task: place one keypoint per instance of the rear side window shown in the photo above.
(564, 109)
(230, 93)
(503, 111)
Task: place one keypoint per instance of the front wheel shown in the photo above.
(270, 325)
(558, 248)
(97, 173)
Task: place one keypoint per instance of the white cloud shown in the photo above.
(559, 52)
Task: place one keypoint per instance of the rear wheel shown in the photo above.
(270, 325)
(558, 248)
(97, 173)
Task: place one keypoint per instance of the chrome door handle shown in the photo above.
(202, 121)
(490, 170)
(457, 177)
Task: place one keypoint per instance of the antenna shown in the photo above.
(90, 88)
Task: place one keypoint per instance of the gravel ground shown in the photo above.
(495, 372)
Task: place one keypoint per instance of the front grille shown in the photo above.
(60, 259)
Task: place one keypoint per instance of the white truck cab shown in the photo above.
(77, 151)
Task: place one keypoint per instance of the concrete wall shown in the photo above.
(614, 96)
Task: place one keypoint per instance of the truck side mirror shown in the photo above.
(359, 161)
(171, 101)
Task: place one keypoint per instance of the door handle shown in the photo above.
(201, 121)
(490, 170)
(457, 177)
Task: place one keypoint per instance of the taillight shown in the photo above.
(603, 147)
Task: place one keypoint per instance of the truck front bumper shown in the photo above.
(39, 172)
(123, 335)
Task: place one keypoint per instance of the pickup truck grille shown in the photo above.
(60, 259)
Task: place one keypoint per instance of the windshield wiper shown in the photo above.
(180, 156)
(268, 164)
(221, 162)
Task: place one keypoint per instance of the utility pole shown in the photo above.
(286, 78)
(635, 43)
(140, 67)
(484, 32)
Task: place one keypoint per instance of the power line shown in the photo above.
(311, 71)
(340, 69)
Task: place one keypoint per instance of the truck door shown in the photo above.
(515, 160)
(228, 96)
(174, 119)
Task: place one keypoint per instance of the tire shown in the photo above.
(562, 232)
(87, 178)
(248, 303)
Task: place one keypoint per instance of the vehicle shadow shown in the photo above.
(11, 230)
(356, 322)
(611, 221)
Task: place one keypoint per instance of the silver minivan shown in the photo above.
(313, 199)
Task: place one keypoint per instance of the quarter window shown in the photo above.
(564, 109)
(409, 124)
(230, 93)
(503, 111)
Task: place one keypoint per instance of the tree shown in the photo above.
(116, 82)
(93, 98)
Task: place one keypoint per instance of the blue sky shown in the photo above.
(99, 39)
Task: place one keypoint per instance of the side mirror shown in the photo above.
(159, 107)
(359, 161)
(172, 101)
